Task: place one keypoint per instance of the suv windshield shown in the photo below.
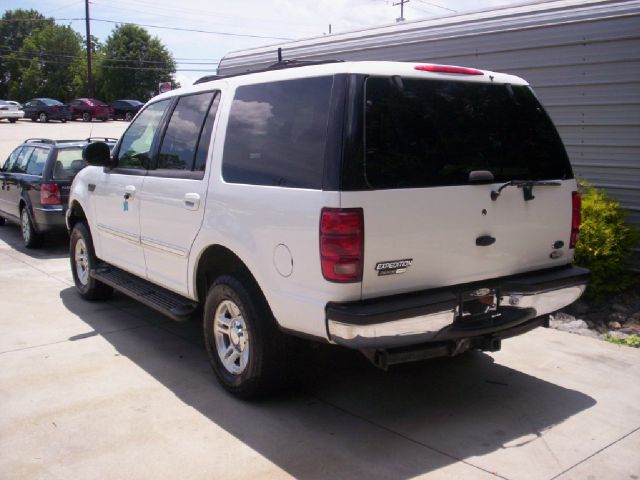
(423, 133)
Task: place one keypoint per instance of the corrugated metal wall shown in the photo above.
(582, 58)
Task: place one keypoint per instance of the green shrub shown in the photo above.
(630, 341)
(606, 243)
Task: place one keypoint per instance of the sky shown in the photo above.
(238, 24)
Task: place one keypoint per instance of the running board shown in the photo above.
(164, 301)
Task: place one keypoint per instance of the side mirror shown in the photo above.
(97, 153)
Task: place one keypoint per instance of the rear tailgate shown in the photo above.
(426, 223)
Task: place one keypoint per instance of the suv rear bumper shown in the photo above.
(431, 315)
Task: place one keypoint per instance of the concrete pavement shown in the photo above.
(114, 390)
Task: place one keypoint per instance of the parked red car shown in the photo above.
(89, 108)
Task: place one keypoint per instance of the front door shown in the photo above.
(174, 192)
(117, 193)
(11, 182)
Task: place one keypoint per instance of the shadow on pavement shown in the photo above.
(54, 245)
(349, 419)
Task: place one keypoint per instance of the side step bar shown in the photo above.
(164, 301)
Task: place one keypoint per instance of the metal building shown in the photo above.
(581, 57)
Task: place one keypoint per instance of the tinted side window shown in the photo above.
(11, 160)
(20, 165)
(180, 140)
(68, 163)
(135, 148)
(205, 136)
(277, 133)
(426, 133)
(37, 161)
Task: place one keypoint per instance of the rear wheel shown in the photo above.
(43, 117)
(30, 237)
(86, 117)
(33, 119)
(246, 350)
(83, 259)
(64, 120)
(2, 221)
(13, 120)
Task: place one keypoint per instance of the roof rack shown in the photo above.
(39, 140)
(101, 139)
(279, 65)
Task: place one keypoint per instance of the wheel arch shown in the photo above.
(76, 214)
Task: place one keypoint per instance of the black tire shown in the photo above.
(30, 237)
(88, 287)
(265, 370)
(13, 120)
(2, 221)
(33, 119)
(64, 120)
(128, 116)
(43, 117)
(86, 117)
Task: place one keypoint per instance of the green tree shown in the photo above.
(46, 64)
(132, 63)
(15, 27)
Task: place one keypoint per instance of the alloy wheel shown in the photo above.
(232, 337)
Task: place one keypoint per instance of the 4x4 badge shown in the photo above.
(393, 267)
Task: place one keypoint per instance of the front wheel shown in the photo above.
(128, 116)
(86, 117)
(64, 120)
(43, 117)
(2, 221)
(245, 348)
(13, 120)
(83, 260)
(30, 237)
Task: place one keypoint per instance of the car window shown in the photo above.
(277, 133)
(37, 161)
(20, 165)
(135, 147)
(180, 140)
(11, 160)
(205, 136)
(68, 163)
(426, 133)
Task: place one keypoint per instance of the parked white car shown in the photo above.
(405, 210)
(10, 110)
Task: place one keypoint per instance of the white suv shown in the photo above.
(405, 210)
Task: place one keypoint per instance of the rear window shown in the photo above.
(277, 133)
(424, 133)
(68, 163)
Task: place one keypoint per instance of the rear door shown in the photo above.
(174, 192)
(116, 195)
(426, 224)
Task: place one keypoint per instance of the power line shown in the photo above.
(74, 19)
(438, 6)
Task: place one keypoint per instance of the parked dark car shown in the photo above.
(89, 108)
(126, 109)
(45, 109)
(35, 182)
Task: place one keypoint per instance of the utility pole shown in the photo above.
(401, 3)
(89, 72)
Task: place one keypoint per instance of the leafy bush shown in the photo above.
(630, 341)
(606, 243)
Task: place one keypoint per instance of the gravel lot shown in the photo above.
(114, 390)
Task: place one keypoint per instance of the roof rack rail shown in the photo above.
(39, 140)
(279, 65)
(101, 139)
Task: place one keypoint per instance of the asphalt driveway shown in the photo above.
(114, 390)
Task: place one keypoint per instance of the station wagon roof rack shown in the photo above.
(101, 139)
(39, 140)
(279, 65)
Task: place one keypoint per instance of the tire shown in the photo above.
(2, 221)
(13, 120)
(63, 120)
(30, 237)
(83, 259)
(86, 117)
(248, 333)
(43, 117)
(128, 116)
(33, 119)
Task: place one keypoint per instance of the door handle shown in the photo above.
(129, 192)
(191, 201)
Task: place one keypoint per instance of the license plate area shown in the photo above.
(477, 305)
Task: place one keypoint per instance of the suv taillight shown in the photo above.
(49, 194)
(342, 244)
(576, 218)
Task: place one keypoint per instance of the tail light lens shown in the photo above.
(50, 194)
(55, 109)
(576, 218)
(342, 244)
(449, 69)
